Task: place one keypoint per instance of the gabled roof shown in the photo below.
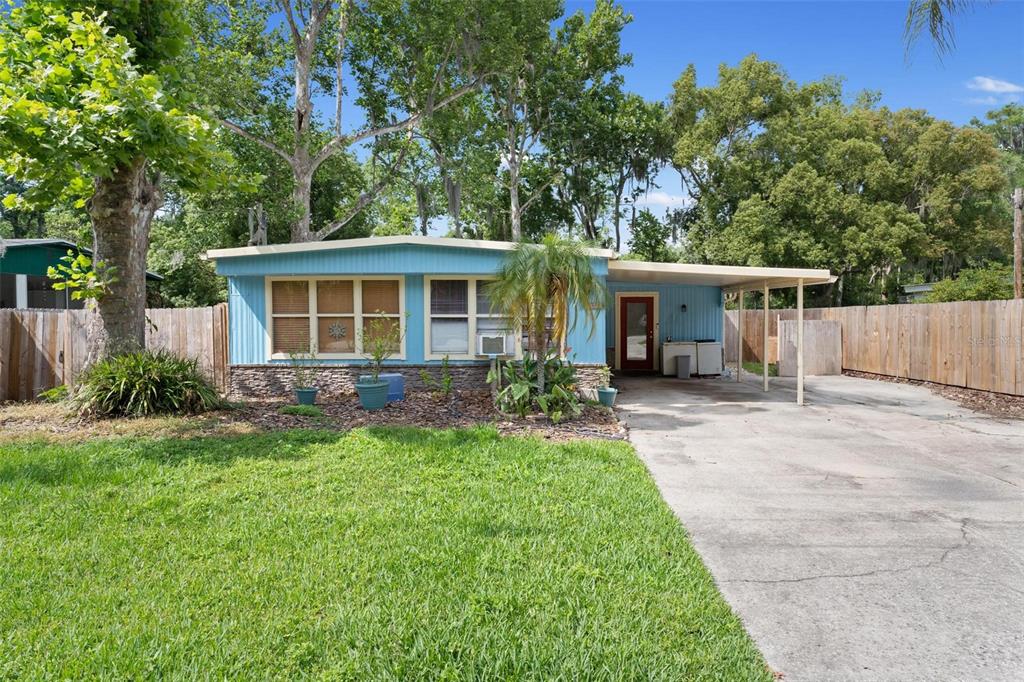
(216, 254)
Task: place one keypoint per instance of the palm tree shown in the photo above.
(935, 16)
(553, 279)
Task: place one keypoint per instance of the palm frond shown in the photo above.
(934, 16)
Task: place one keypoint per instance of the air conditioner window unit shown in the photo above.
(494, 344)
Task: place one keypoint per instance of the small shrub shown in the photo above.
(57, 394)
(144, 383)
(302, 410)
(444, 386)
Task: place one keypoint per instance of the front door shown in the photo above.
(636, 332)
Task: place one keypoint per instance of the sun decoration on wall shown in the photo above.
(337, 330)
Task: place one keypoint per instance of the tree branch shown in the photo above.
(266, 144)
(337, 143)
(364, 199)
(286, 6)
(342, 30)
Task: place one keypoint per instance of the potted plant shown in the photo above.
(605, 393)
(304, 372)
(380, 338)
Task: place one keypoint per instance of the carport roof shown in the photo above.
(730, 277)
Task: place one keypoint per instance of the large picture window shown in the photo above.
(458, 311)
(330, 314)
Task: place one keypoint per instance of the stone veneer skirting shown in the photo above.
(275, 381)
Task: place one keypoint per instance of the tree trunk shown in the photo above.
(302, 193)
(453, 190)
(618, 235)
(423, 207)
(122, 209)
(516, 218)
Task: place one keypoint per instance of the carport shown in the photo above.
(729, 279)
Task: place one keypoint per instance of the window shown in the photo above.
(459, 311)
(328, 314)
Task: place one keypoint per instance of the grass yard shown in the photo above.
(378, 554)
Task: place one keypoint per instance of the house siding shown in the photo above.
(247, 294)
(702, 319)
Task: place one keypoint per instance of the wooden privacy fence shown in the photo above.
(976, 344)
(40, 349)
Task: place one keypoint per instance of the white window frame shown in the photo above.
(357, 314)
(471, 315)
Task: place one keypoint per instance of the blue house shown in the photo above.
(287, 297)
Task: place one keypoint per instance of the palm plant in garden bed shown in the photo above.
(545, 289)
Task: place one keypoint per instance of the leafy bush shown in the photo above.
(145, 383)
(302, 410)
(54, 395)
(519, 394)
(989, 283)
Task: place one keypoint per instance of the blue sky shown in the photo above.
(859, 41)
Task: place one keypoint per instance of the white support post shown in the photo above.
(739, 336)
(800, 342)
(764, 347)
(21, 291)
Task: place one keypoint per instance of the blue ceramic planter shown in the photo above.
(372, 396)
(306, 396)
(606, 395)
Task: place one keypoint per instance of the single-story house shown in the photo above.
(286, 297)
(23, 267)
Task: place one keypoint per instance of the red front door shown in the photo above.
(636, 332)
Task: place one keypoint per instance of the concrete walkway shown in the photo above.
(875, 534)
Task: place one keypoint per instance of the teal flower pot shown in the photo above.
(606, 395)
(372, 395)
(306, 396)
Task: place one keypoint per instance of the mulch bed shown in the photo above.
(422, 409)
(1000, 405)
(426, 409)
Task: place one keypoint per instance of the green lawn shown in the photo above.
(758, 368)
(378, 554)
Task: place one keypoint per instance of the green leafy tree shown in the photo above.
(787, 174)
(100, 78)
(553, 280)
(402, 61)
(649, 240)
(992, 281)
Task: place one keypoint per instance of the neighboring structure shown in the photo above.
(916, 293)
(23, 280)
(283, 298)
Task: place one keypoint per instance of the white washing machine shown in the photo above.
(673, 349)
(709, 358)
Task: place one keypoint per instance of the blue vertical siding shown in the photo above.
(247, 294)
(247, 323)
(702, 319)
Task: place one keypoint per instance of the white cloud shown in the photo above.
(662, 199)
(989, 101)
(988, 84)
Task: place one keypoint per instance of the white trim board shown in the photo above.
(217, 254)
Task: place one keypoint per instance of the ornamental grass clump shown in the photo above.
(145, 383)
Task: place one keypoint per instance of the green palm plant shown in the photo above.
(553, 279)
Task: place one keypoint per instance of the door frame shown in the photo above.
(618, 324)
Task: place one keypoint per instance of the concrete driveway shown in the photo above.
(875, 534)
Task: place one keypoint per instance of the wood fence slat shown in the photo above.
(976, 344)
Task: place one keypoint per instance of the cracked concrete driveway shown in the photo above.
(875, 534)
